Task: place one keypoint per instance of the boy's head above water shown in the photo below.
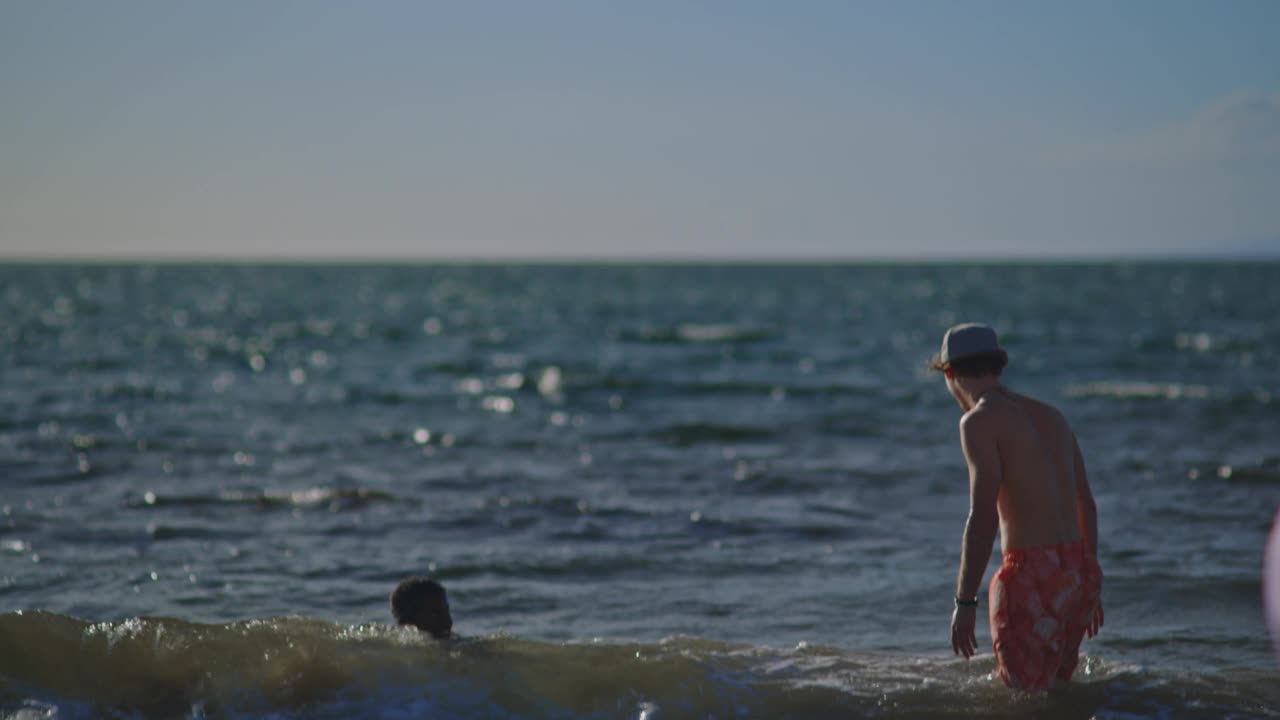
(421, 602)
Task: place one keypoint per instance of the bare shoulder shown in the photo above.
(1043, 410)
(981, 419)
(1049, 421)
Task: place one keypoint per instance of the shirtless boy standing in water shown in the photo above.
(1027, 477)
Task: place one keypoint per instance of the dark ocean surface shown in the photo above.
(652, 491)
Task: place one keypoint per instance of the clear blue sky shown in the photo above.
(687, 129)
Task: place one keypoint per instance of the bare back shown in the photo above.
(1037, 501)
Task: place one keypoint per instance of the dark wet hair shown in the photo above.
(973, 365)
(422, 602)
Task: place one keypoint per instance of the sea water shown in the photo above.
(652, 491)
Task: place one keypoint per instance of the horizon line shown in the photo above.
(566, 259)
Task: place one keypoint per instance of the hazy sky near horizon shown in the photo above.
(310, 128)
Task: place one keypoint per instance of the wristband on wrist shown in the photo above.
(966, 603)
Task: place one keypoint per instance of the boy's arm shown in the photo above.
(983, 458)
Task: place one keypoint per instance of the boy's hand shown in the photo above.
(963, 640)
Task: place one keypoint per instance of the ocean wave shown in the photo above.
(698, 333)
(332, 499)
(687, 434)
(782, 387)
(285, 667)
(1266, 472)
(37, 474)
(599, 568)
(1139, 391)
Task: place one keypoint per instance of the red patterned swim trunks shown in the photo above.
(1042, 600)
